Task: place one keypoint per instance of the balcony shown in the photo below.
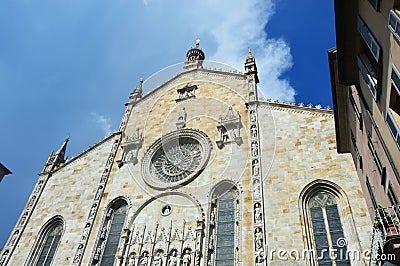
(386, 237)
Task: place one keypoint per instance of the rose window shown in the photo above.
(176, 158)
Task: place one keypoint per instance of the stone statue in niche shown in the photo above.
(39, 186)
(86, 231)
(260, 259)
(23, 219)
(78, 255)
(98, 193)
(97, 253)
(131, 260)
(14, 238)
(93, 211)
(253, 131)
(256, 188)
(197, 258)
(253, 116)
(103, 233)
(157, 260)
(4, 257)
(256, 167)
(212, 217)
(32, 201)
(173, 260)
(182, 115)
(144, 260)
(186, 259)
(257, 213)
(254, 149)
(258, 239)
(211, 245)
(131, 147)
(229, 128)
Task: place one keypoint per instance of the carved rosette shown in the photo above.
(176, 158)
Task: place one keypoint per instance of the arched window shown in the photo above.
(223, 226)
(46, 246)
(110, 234)
(329, 241)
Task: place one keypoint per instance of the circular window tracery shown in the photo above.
(176, 158)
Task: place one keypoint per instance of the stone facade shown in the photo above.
(209, 141)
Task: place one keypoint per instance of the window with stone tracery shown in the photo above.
(327, 230)
(223, 228)
(48, 241)
(110, 234)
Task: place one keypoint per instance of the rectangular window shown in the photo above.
(375, 4)
(394, 24)
(356, 110)
(371, 194)
(393, 127)
(367, 76)
(392, 196)
(353, 140)
(375, 155)
(369, 38)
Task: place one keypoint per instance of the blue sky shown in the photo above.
(67, 67)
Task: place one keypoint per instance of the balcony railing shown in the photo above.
(386, 236)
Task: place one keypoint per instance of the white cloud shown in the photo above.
(103, 122)
(227, 28)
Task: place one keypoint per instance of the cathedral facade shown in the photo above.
(200, 172)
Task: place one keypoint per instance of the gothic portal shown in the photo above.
(200, 172)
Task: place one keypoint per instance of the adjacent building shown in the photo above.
(3, 171)
(365, 77)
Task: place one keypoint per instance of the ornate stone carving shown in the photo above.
(186, 258)
(79, 253)
(176, 158)
(131, 147)
(173, 259)
(229, 128)
(182, 115)
(186, 92)
(259, 239)
(257, 213)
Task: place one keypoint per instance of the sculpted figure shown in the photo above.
(186, 258)
(173, 260)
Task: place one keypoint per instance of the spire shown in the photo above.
(137, 92)
(250, 66)
(194, 57)
(56, 159)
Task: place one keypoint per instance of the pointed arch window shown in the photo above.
(329, 242)
(223, 227)
(110, 234)
(48, 241)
